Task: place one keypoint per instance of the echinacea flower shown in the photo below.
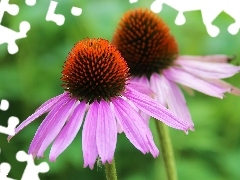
(151, 53)
(95, 80)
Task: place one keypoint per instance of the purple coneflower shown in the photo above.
(151, 53)
(95, 80)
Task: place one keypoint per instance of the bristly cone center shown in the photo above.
(145, 42)
(94, 70)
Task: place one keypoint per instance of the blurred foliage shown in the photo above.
(30, 77)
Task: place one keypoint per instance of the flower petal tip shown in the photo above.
(232, 57)
(235, 91)
(192, 128)
(104, 161)
(39, 156)
(91, 166)
(109, 161)
(156, 155)
(222, 96)
(9, 138)
(52, 159)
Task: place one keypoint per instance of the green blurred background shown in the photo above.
(31, 76)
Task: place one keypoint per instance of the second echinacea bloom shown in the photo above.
(95, 78)
(151, 52)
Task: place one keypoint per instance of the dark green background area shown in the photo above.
(31, 76)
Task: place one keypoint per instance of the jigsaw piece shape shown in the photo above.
(9, 36)
(31, 171)
(209, 9)
(232, 8)
(51, 16)
(4, 170)
(12, 123)
(12, 9)
(30, 2)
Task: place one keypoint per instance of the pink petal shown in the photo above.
(69, 132)
(159, 87)
(178, 75)
(232, 89)
(208, 70)
(177, 103)
(217, 58)
(143, 80)
(170, 94)
(55, 127)
(156, 110)
(50, 127)
(119, 128)
(134, 127)
(89, 145)
(39, 136)
(142, 88)
(44, 108)
(54, 99)
(144, 115)
(106, 134)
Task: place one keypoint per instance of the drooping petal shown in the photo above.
(89, 145)
(144, 115)
(217, 58)
(38, 137)
(69, 132)
(106, 134)
(130, 127)
(54, 99)
(232, 89)
(50, 129)
(134, 127)
(209, 70)
(156, 110)
(170, 95)
(44, 108)
(180, 76)
(56, 125)
(52, 132)
(159, 87)
(177, 103)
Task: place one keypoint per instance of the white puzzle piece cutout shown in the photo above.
(51, 16)
(4, 170)
(12, 121)
(209, 9)
(31, 171)
(8, 35)
(10, 130)
(30, 2)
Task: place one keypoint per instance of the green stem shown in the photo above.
(166, 150)
(110, 170)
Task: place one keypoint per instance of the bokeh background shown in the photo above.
(31, 76)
